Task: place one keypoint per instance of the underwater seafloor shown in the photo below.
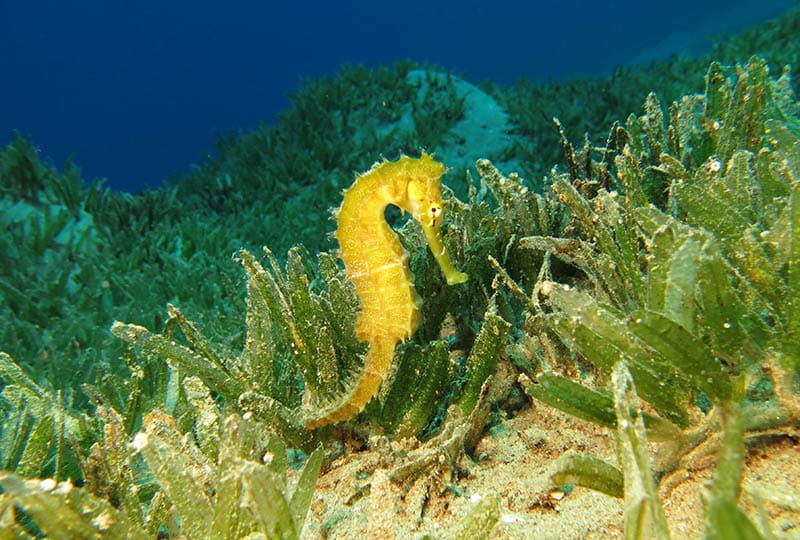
(624, 360)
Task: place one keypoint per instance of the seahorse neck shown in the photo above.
(370, 196)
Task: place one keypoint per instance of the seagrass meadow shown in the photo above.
(622, 361)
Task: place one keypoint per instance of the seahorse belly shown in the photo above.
(376, 263)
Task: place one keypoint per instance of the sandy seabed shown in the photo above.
(355, 498)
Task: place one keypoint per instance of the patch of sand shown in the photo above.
(356, 499)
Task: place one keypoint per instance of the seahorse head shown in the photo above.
(425, 191)
(424, 201)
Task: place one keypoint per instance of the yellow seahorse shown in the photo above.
(376, 264)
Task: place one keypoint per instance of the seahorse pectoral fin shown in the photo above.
(452, 275)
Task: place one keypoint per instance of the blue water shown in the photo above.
(137, 94)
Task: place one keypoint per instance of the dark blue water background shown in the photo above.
(137, 90)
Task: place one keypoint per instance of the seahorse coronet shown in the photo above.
(376, 263)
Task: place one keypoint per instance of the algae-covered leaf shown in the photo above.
(266, 504)
(431, 371)
(12, 374)
(742, 185)
(210, 372)
(200, 344)
(206, 415)
(302, 321)
(37, 448)
(598, 267)
(340, 304)
(276, 449)
(304, 491)
(65, 511)
(229, 519)
(776, 175)
(620, 221)
(523, 212)
(743, 124)
(36, 428)
(590, 472)
(601, 335)
(736, 333)
(271, 287)
(181, 473)
(792, 339)
(682, 349)
(753, 260)
(397, 394)
(662, 247)
(480, 522)
(630, 177)
(574, 398)
(251, 496)
(609, 226)
(644, 515)
(706, 202)
(233, 514)
(675, 252)
(651, 220)
(312, 342)
(730, 461)
(244, 492)
(689, 282)
(489, 345)
(108, 470)
(591, 404)
(679, 283)
(724, 519)
(278, 417)
(260, 351)
(423, 378)
(717, 94)
(17, 424)
(653, 127)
